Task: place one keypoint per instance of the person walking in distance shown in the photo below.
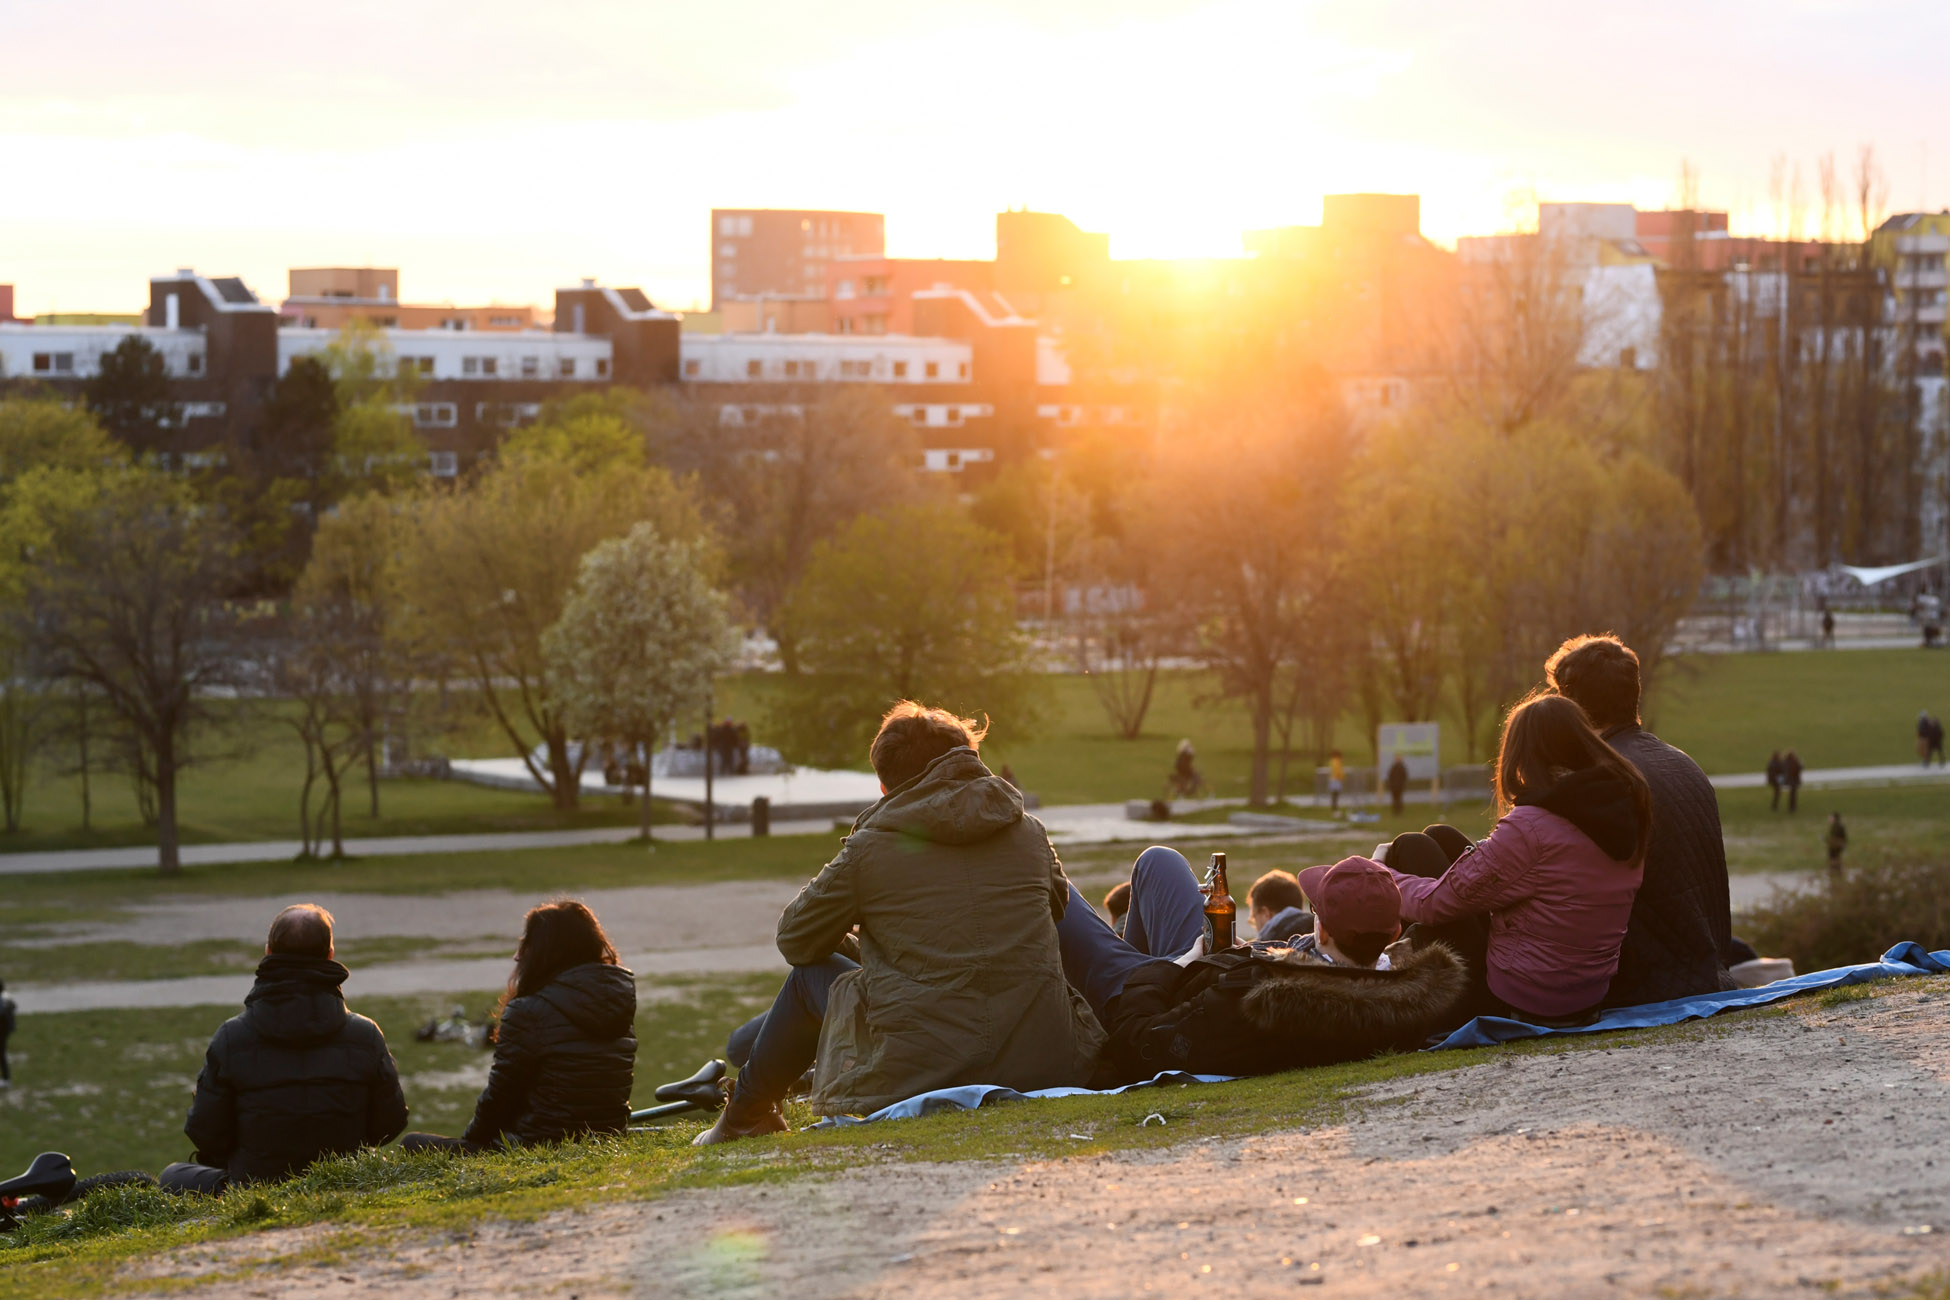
(1828, 628)
(1935, 743)
(1776, 770)
(8, 1013)
(1791, 777)
(1397, 783)
(1336, 780)
(1837, 841)
(1923, 736)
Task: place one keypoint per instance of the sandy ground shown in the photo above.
(1798, 1154)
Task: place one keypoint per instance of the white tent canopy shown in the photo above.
(1870, 577)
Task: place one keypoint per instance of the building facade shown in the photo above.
(783, 253)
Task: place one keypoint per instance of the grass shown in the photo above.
(1837, 709)
(370, 1198)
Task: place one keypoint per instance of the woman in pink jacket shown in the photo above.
(1538, 910)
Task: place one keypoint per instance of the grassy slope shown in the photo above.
(374, 1195)
(1837, 709)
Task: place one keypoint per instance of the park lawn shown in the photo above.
(374, 1196)
(1842, 708)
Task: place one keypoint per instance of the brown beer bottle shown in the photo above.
(1220, 911)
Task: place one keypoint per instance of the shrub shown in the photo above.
(1857, 917)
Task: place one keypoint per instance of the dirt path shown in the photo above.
(1771, 1155)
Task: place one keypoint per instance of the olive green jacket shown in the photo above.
(957, 893)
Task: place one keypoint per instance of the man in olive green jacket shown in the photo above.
(956, 892)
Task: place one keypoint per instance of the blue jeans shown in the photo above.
(1167, 917)
(788, 1038)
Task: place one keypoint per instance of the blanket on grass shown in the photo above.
(1484, 1031)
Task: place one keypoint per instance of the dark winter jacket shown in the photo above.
(293, 1078)
(564, 1060)
(957, 893)
(1676, 941)
(1254, 1012)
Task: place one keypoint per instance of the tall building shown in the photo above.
(783, 253)
(6, 304)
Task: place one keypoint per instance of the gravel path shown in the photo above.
(1703, 1165)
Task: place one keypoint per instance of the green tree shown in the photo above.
(126, 587)
(485, 572)
(638, 642)
(130, 394)
(374, 447)
(910, 603)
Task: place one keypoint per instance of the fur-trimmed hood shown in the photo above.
(1367, 1011)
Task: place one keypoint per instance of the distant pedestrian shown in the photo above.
(1791, 777)
(1923, 737)
(1336, 780)
(1935, 748)
(1397, 783)
(1776, 769)
(8, 1013)
(1828, 628)
(1837, 840)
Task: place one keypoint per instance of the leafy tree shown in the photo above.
(910, 603)
(1254, 492)
(638, 642)
(130, 394)
(296, 436)
(374, 447)
(125, 594)
(485, 573)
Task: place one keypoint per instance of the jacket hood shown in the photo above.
(1377, 1009)
(957, 800)
(1598, 803)
(297, 1000)
(599, 999)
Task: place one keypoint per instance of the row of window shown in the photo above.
(62, 363)
(808, 369)
(446, 415)
(526, 368)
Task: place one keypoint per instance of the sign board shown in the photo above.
(1418, 744)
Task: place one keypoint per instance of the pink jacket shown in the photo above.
(1558, 907)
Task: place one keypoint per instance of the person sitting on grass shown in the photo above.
(565, 1049)
(1679, 939)
(957, 893)
(1540, 908)
(294, 1077)
(1277, 908)
(1335, 994)
(1118, 903)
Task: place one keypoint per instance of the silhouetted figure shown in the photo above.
(1336, 780)
(1828, 628)
(1791, 777)
(1397, 783)
(1184, 781)
(1776, 770)
(741, 736)
(1837, 840)
(1936, 743)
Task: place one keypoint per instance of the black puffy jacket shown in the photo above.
(564, 1060)
(295, 1077)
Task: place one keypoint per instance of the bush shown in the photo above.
(1858, 917)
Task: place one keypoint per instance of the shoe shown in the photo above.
(742, 1120)
(704, 1090)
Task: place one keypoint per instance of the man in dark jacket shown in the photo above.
(293, 1078)
(1677, 940)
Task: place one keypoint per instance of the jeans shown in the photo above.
(1167, 917)
(788, 1035)
(738, 1047)
(1428, 853)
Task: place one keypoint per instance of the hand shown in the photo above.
(1192, 954)
(1381, 852)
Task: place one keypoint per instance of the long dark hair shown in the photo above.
(554, 937)
(1546, 737)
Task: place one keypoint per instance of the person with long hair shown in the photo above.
(565, 1049)
(1540, 908)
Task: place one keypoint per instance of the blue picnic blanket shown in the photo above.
(1484, 1031)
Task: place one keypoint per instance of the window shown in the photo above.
(745, 226)
(513, 322)
(961, 371)
(1628, 358)
(844, 289)
(470, 365)
(436, 415)
(934, 370)
(920, 415)
(954, 415)
(727, 225)
(792, 370)
(424, 365)
(531, 367)
(754, 368)
(602, 367)
(194, 363)
(727, 250)
(444, 464)
(900, 370)
(690, 369)
(43, 362)
(566, 367)
(487, 365)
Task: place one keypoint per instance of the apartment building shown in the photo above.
(332, 297)
(783, 253)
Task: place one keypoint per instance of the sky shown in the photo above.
(494, 150)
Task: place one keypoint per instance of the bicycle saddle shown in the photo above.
(51, 1175)
(705, 1089)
